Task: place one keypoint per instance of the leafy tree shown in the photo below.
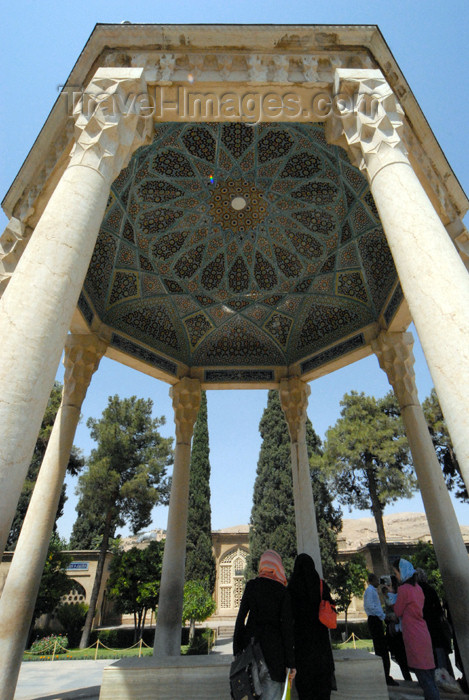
(75, 464)
(124, 478)
(273, 512)
(348, 579)
(200, 562)
(54, 581)
(367, 454)
(134, 582)
(198, 604)
(444, 447)
(72, 618)
(424, 557)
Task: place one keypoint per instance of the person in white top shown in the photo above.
(376, 617)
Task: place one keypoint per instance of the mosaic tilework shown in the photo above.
(238, 375)
(350, 284)
(151, 358)
(333, 353)
(296, 262)
(197, 327)
(394, 303)
(85, 309)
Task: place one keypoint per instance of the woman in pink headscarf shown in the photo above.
(418, 644)
(267, 607)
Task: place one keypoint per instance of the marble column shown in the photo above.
(82, 356)
(294, 400)
(37, 305)
(432, 274)
(186, 401)
(394, 352)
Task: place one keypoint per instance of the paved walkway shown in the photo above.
(64, 680)
(81, 680)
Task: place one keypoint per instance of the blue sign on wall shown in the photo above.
(78, 566)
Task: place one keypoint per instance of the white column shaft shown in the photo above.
(37, 305)
(307, 537)
(450, 550)
(24, 577)
(35, 314)
(186, 402)
(436, 287)
(169, 619)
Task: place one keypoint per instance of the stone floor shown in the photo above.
(81, 680)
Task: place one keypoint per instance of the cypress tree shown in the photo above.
(200, 562)
(273, 511)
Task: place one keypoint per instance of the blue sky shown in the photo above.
(40, 42)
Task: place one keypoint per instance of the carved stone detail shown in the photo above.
(294, 400)
(12, 244)
(109, 125)
(225, 65)
(257, 71)
(310, 68)
(282, 68)
(83, 353)
(371, 122)
(167, 63)
(395, 357)
(186, 402)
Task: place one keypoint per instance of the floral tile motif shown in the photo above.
(236, 245)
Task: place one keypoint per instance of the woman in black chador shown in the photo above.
(314, 662)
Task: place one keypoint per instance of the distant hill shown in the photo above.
(356, 533)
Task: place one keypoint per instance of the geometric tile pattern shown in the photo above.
(231, 245)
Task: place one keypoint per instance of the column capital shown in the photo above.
(83, 353)
(395, 357)
(294, 401)
(186, 396)
(109, 124)
(12, 244)
(370, 124)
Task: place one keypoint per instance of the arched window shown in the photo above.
(231, 579)
(77, 593)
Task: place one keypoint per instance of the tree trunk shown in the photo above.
(191, 631)
(97, 582)
(377, 510)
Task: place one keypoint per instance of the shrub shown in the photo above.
(46, 645)
(360, 629)
(72, 618)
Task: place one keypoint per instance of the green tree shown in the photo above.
(54, 581)
(198, 604)
(134, 582)
(348, 579)
(75, 464)
(72, 618)
(273, 513)
(444, 447)
(200, 562)
(124, 477)
(367, 454)
(424, 557)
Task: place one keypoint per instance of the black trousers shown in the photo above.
(375, 625)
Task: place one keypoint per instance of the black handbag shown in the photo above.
(247, 672)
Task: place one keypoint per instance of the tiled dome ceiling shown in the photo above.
(236, 245)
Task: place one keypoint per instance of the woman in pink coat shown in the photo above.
(418, 644)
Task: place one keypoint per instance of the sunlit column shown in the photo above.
(433, 276)
(186, 396)
(395, 356)
(294, 399)
(82, 356)
(37, 305)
